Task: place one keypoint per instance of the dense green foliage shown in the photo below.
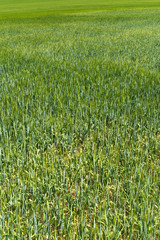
(79, 122)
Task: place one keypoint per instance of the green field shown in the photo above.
(65, 6)
(79, 119)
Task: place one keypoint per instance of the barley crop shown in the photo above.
(79, 120)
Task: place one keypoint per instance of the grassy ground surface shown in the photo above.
(32, 6)
(79, 120)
